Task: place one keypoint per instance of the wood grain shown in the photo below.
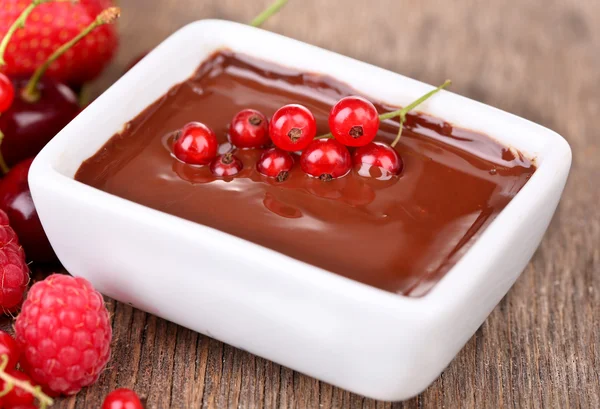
(540, 348)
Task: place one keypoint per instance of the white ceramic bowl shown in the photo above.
(360, 338)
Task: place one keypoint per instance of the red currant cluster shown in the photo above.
(19, 391)
(37, 362)
(353, 121)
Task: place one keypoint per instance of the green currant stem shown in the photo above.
(414, 104)
(268, 12)
(30, 93)
(400, 128)
(10, 382)
(401, 113)
(19, 23)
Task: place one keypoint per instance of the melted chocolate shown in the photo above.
(400, 234)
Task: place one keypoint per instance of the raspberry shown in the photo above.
(14, 273)
(7, 234)
(8, 237)
(64, 332)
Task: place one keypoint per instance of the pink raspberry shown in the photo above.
(8, 237)
(14, 273)
(64, 332)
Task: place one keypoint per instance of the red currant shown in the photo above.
(226, 165)
(292, 127)
(196, 144)
(249, 129)
(377, 154)
(326, 159)
(7, 93)
(354, 121)
(9, 347)
(122, 398)
(275, 163)
(17, 396)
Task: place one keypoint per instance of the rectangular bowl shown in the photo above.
(354, 336)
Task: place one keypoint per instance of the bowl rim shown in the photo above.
(552, 165)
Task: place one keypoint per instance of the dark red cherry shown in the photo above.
(292, 127)
(275, 163)
(16, 201)
(380, 155)
(196, 144)
(326, 159)
(249, 129)
(29, 126)
(7, 93)
(226, 165)
(122, 398)
(354, 121)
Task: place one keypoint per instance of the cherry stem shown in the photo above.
(20, 23)
(268, 12)
(30, 93)
(84, 95)
(10, 382)
(401, 113)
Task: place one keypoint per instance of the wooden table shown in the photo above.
(540, 347)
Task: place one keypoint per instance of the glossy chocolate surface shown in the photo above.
(400, 234)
